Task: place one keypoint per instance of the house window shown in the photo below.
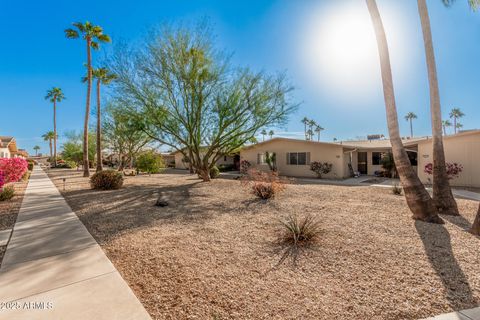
(412, 156)
(298, 158)
(261, 158)
(376, 158)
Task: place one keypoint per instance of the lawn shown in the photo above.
(9, 210)
(212, 253)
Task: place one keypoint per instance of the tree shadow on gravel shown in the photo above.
(437, 243)
(107, 214)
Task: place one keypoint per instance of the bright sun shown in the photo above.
(339, 48)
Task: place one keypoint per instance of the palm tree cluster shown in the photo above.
(454, 114)
(423, 206)
(265, 133)
(92, 35)
(312, 128)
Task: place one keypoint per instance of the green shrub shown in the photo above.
(214, 172)
(150, 162)
(320, 168)
(66, 164)
(7, 193)
(106, 180)
(31, 164)
(226, 167)
(26, 176)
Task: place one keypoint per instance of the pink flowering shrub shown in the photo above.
(453, 169)
(12, 169)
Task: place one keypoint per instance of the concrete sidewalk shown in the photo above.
(54, 269)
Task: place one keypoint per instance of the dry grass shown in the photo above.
(210, 254)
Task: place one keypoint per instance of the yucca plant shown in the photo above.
(298, 233)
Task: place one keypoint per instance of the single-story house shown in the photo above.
(294, 156)
(226, 160)
(8, 147)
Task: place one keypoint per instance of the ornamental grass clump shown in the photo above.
(396, 190)
(298, 233)
(107, 180)
(7, 193)
(264, 185)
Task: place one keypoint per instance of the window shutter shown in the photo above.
(308, 158)
(258, 158)
(288, 158)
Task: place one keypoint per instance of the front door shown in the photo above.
(362, 162)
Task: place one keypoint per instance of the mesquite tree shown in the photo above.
(186, 95)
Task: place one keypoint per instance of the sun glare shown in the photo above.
(339, 50)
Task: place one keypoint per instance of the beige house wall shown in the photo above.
(463, 149)
(322, 152)
(179, 164)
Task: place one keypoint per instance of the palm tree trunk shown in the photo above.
(50, 145)
(99, 131)
(442, 193)
(476, 224)
(455, 125)
(86, 164)
(55, 132)
(411, 128)
(418, 199)
(444, 130)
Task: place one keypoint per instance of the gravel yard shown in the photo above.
(211, 253)
(9, 210)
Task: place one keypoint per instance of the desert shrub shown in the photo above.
(26, 176)
(453, 169)
(388, 164)
(13, 169)
(321, 168)
(150, 162)
(214, 172)
(7, 193)
(245, 166)
(396, 190)
(298, 233)
(66, 164)
(264, 185)
(106, 180)
(31, 164)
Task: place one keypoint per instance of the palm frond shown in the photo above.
(104, 38)
(71, 34)
(94, 45)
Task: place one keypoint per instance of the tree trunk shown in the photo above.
(442, 193)
(99, 131)
(411, 128)
(476, 224)
(418, 199)
(455, 125)
(121, 166)
(50, 145)
(86, 164)
(444, 130)
(55, 132)
(204, 173)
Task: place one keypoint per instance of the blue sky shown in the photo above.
(324, 46)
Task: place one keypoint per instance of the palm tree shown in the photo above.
(263, 133)
(103, 76)
(271, 133)
(318, 130)
(36, 148)
(311, 124)
(305, 121)
(92, 35)
(418, 199)
(409, 117)
(442, 193)
(446, 124)
(49, 136)
(456, 113)
(458, 126)
(55, 95)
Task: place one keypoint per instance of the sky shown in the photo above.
(327, 49)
